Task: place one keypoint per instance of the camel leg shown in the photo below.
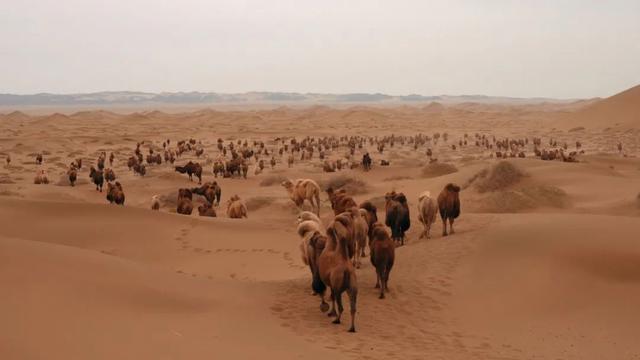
(451, 226)
(444, 226)
(377, 279)
(386, 279)
(332, 312)
(353, 294)
(323, 304)
(340, 309)
(382, 283)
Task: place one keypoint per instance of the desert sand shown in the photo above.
(544, 266)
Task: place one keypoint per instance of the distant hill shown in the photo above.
(620, 110)
(136, 98)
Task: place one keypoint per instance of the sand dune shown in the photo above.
(618, 111)
(544, 266)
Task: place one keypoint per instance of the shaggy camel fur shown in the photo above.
(211, 191)
(304, 189)
(382, 250)
(308, 215)
(206, 209)
(360, 233)
(397, 217)
(236, 209)
(115, 194)
(185, 206)
(427, 212)
(371, 214)
(336, 271)
(306, 230)
(340, 201)
(449, 205)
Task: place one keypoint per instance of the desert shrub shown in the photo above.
(501, 176)
(351, 184)
(10, 193)
(258, 202)
(579, 128)
(273, 180)
(6, 179)
(397, 178)
(523, 199)
(438, 169)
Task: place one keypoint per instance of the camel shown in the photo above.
(218, 168)
(382, 250)
(397, 215)
(115, 194)
(211, 191)
(109, 175)
(360, 234)
(185, 206)
(236, 209)
(97, 177)
(427, 212)
(308, 215)
(303, 189)
(340, 201)
(336, 271)
(206, 209)
(449, 206)
(41, 178)
(371, 214)
(155, 202)
(306, 230)
(191, 169)
(72, 173)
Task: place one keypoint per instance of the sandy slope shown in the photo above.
(618, 111)
(524, 277)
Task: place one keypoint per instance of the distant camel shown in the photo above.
(427, 212)
(303, 189)
(449, 205)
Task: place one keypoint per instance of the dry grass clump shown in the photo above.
(259, 202)
(6, 179)
(501, 176)
(510, 201)
(397, 178)
(438, 169)
(351, 184)
(10, 193)
(272, 180)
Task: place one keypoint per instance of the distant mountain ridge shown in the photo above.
(195, 97)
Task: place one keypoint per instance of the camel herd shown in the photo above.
(333, 250)
(333, 253)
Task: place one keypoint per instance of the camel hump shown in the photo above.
(425, 194)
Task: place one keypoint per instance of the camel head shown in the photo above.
(287, 184)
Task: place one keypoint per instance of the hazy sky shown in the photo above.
(569, 49)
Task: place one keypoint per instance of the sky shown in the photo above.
(561, 49)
